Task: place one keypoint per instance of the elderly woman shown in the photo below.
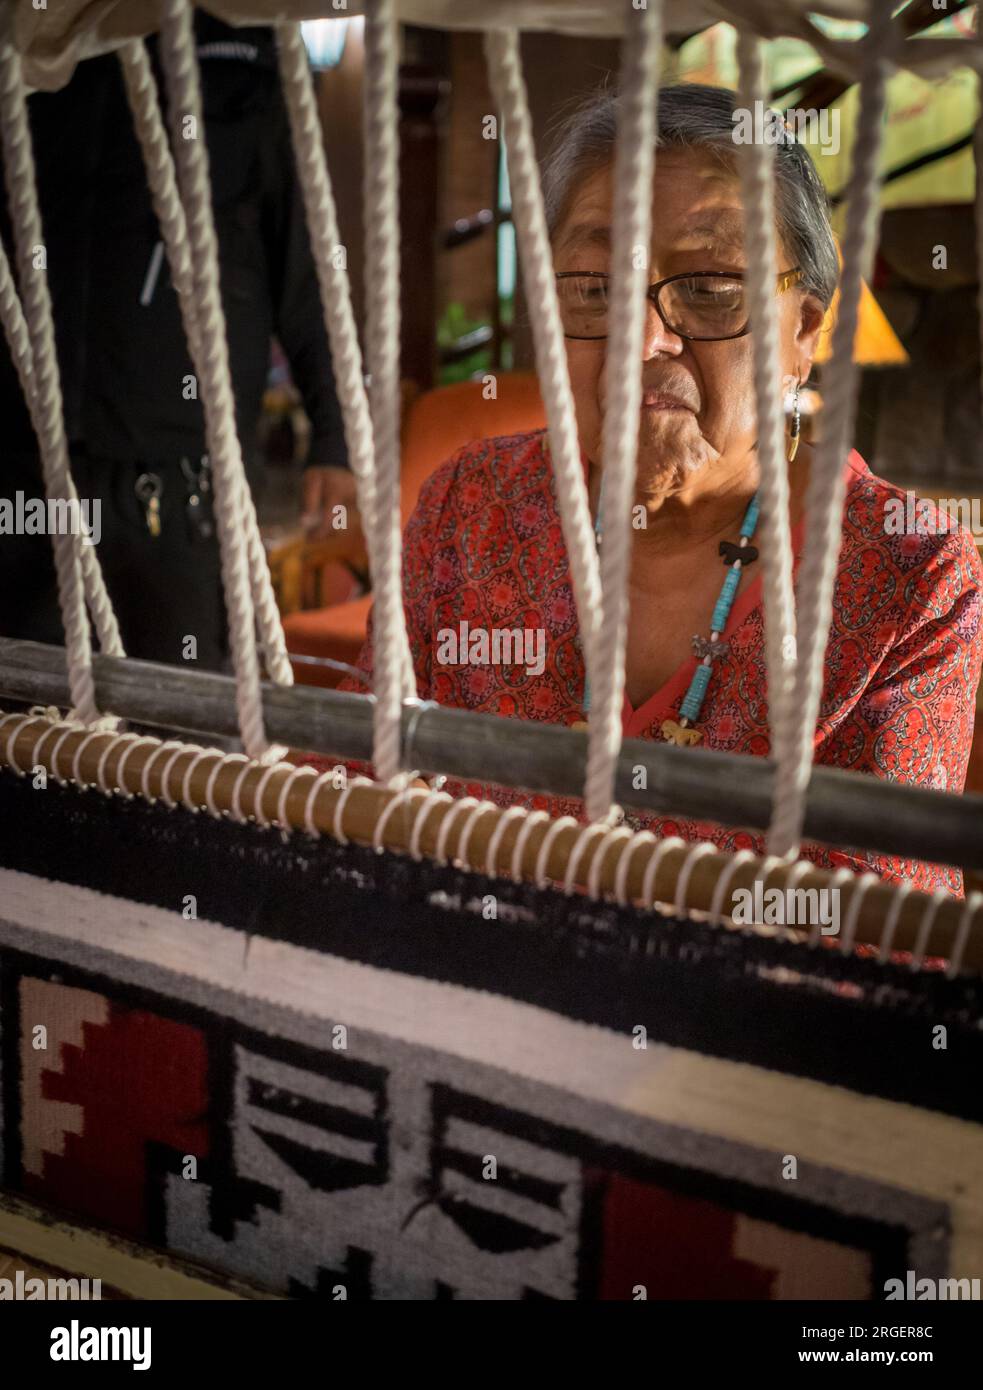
(485, 548)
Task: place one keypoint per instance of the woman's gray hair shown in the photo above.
(690, 114)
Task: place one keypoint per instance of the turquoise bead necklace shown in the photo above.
(736, 558)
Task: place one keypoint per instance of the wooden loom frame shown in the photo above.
(357, 810)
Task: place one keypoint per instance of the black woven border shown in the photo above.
(843, 1020)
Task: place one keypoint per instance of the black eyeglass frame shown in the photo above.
(785, 280)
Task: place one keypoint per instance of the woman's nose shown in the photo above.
(656, 337)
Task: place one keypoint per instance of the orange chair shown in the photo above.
(437, 424)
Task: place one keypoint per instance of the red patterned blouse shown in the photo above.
(485, 547)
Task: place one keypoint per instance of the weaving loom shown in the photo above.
(363, 1040)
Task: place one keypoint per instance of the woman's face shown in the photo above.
(697, 225)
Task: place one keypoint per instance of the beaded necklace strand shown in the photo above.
(736, 558)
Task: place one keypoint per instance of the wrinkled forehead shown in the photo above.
(696, 205)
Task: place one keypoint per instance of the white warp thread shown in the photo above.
(177, 53)
(141, 91)
(49, 412)
(978, 218)
(634, 169)
(322, 225)
(529, 218)
(756, 165)
(392, 675)
(18, 339)
(336, 300)
(827, 484)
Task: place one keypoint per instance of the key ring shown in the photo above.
(148, 486)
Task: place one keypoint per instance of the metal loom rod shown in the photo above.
(846, 809)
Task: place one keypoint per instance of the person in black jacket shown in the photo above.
(135, 426)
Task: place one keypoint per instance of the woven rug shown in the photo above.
(343, 1074)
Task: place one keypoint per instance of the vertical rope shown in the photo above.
(18, 339)
(144, 104)
(28, 238)
(634, 168)
(325, 238)
(509, 91)
(827, 485)
(756, 165)
(978, 217)
(392, 671)
(177, 52)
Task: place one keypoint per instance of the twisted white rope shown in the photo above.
(432, 800)
(165, 784)
(640, 837)
(460, 804)
(891, 921)
(495, 840)
(840, 877)
(138, 741)
(925, 927)
(56, 772)
(861, 887)
(697, 852)
(392, 676)
(18, 339)
(973, 901)
(717, 909)
(76, 773)
(798, 871)
(177, 53)
(235, 800)
(978, 219)
(612, 836)
(325, 238)
(461, 858)
(533, 819)
(141, 91)
(588, 832)
(48, 415)
(652, 867)
(319, 780)
(756, 165)
(322, 224)
(213, 776)
(171, 745)
(259, 814)
(540, 877)
(634, 167)
(827, 482)
(337, 825)
(400, 799)
(528, 214)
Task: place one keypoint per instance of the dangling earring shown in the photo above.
(796, 425)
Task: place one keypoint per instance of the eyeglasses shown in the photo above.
(705, 308)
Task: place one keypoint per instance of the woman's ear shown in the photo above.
(812, 317)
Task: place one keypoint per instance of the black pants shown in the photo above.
(165, 589)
